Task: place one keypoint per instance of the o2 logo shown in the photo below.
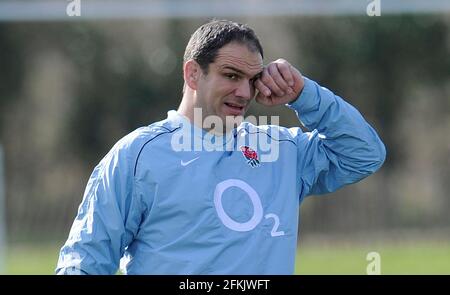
(257, 208)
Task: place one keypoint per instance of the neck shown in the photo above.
(186, 108)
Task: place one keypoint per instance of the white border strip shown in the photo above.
(22, 10)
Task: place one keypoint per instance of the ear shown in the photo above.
(191, 73)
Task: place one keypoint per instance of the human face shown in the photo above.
(227, 89)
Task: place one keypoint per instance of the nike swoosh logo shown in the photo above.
(188, 162)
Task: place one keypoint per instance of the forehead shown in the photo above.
(240, 57)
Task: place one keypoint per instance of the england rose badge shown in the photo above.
(251, 156)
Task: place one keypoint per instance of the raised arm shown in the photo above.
(341, 147)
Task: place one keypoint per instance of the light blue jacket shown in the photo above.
(226, 211)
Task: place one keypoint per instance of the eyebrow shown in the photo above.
(242, 73)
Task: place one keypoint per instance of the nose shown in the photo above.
(244, 90)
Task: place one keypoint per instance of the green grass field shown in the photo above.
(395, 259)
(420, 258)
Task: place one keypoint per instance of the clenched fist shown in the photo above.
(280, 83)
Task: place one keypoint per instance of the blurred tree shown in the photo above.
(69, 91)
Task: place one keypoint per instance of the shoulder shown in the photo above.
(135, 140)
(129, 147)
(274, 132)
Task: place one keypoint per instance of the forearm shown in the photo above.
(342, 147)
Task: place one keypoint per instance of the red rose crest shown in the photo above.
(251, 156)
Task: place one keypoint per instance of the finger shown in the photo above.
(278, 79)
(264, 100)
(270, 83)
(263, 89)
(285, 70)
(298, 79)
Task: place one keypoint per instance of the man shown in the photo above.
(184, 197)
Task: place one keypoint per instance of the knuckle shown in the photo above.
(272, 68)
(282, 62)
(281, 84)
(284, 67)
(265, 79)
(274, 73)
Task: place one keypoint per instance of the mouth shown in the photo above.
(234, 108)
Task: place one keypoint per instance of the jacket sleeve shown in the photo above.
(107, 219)
(341, 147)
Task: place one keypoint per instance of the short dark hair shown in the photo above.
(206, 41)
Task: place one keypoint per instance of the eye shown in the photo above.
(232, 76)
